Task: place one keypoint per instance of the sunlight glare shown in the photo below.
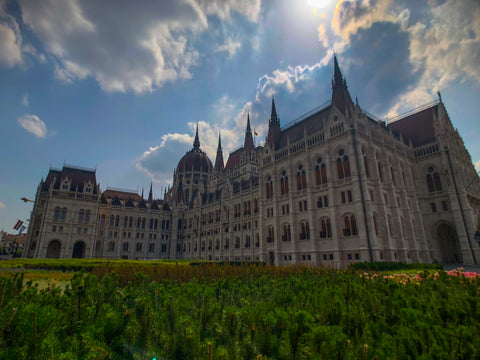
(318, 4)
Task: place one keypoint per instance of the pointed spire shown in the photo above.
(249, 130)
(196, 142)
(248, 145)
(219, 160)
(337, 74)
(142, 192)
(150, 194)
(273, 116)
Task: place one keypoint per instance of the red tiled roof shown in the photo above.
(234, 159)
(418, 127)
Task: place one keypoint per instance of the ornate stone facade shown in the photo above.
(336, 187)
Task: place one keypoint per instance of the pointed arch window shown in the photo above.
(271, 234)
(375, 225)
(102, 220)
(87, 216)
(63, 216)
(301, 178)
(284, 183)
(56, 214)
(287, 234)
(325, 228)
(117, 220)
(365, 163)
(343, 165)
(304, 231)
(350, 224)
(434, 182)
(81, 214)
(269, 188)
(321, 172)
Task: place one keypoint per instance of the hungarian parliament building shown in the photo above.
(336, 187)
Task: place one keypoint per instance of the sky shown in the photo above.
(119, 86)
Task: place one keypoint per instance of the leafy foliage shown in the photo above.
(240, 312)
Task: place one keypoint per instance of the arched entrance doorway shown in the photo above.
(78, 250)
(53, 249)
(448, 245)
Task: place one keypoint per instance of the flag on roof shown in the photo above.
(18, 224)
(22, 229)
(256, 134)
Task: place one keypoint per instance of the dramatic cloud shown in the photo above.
(25, 100)
(34, 125)
(322, 35)
(442, 45)
(128, 45)
(10, 39)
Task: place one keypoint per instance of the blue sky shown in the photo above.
(120, 85)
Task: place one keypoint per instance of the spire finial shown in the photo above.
(150, 194)
(439, 96)
(273, 115)
(337, 74)
(219, 148)
(196, 142)
(249, 129)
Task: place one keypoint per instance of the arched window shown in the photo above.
(325, 228)
(117, 220)
(63, 216)
(112, 220)
(321, 172)
(269, 188)
(102, 220)
(87, 216)
(156, 224)
(284, 183)
(287, 235)
(271, 234)
(434, 182)
(130, 221)
(350, 228)
(56, 214)
(304, 231)
(392, 174)
(125, 221)
(151, 224)
(437, 181)
(343, 165)
(390, 229)
(143, 223)
(301, 178)
(81, 213)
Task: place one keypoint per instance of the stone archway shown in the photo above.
(78, 250)
(53, 249)
(448, 245)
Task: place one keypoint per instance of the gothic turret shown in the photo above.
(340, 96)
(273, 127)
(248, 145)
(196, 142)
(219, 160)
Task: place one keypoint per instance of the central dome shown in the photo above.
(195, 160)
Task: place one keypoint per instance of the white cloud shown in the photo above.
(230, 47)
(477, 166)
(10, 39)
(133, 46)
(2, 205)
(322, 35)
(25, 99)
(33, 124)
